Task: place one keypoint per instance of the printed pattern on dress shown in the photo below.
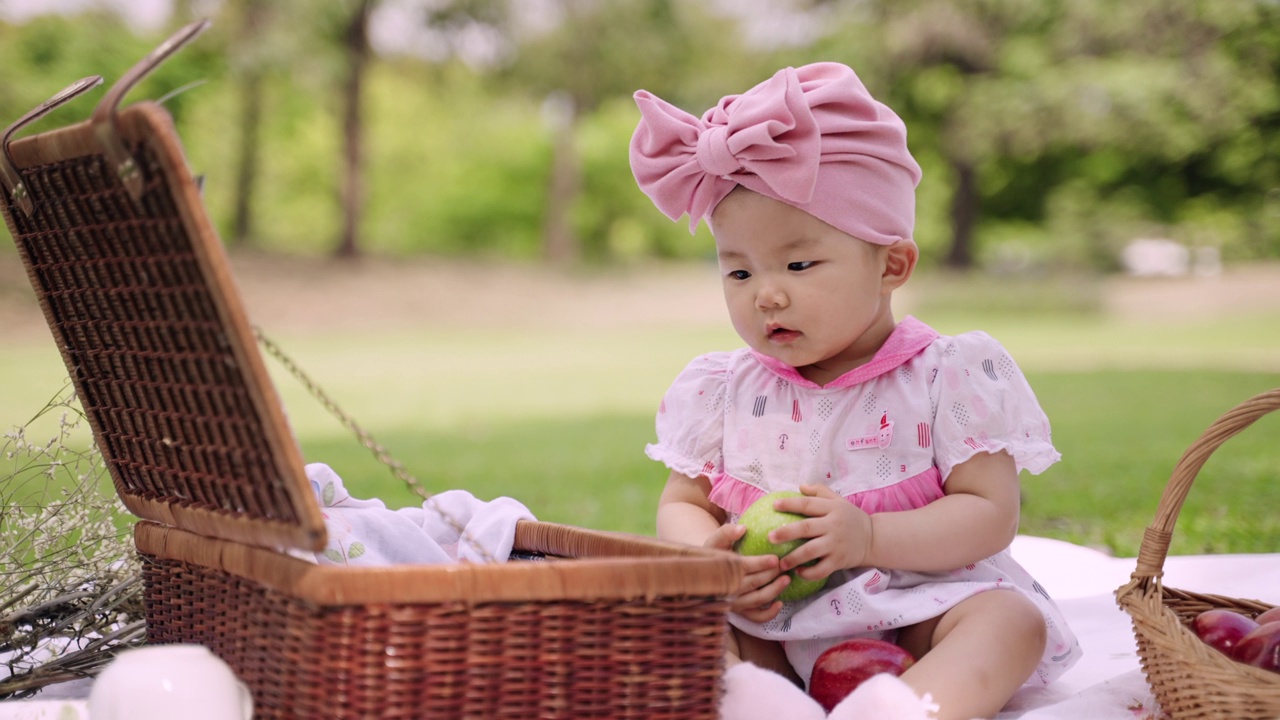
(761, 402)
(959, 395)
(825, 407)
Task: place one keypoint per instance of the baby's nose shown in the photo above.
(771, 295)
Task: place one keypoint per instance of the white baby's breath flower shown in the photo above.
(60, 549)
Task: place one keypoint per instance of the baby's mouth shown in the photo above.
(782, 334)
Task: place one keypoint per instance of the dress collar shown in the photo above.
(906, 341)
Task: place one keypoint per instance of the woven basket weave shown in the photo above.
(1189, 678)
(142, 305)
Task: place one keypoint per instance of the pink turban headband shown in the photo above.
(811, 137)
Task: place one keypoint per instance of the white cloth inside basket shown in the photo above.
(449, 527)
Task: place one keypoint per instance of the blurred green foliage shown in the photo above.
(1087, 123)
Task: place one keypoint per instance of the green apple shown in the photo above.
(760, 519)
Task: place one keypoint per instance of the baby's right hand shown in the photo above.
(762, 583)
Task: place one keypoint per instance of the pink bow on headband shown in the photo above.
(770, 133)
(812, 137)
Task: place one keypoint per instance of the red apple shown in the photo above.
(844, 667)
(1272, 615)
(1222, 629)
(1261, 647)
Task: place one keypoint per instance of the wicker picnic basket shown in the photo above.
(1189, 678)
(141, 303)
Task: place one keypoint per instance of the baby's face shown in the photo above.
(798, 289)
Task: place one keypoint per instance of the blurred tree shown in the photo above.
(1021, 98)
(50, 51)
(577, 55)
(296, 47)
(597, 50)
(1065, 126)
(351, 180)
(249, 57)
(955, 45)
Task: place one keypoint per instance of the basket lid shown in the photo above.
(139, 296)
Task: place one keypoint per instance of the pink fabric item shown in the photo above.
(811, 137)
(907, 340)
(736, 496)
(752, 426)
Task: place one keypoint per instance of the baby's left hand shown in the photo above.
(839, 533)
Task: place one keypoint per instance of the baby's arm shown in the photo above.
(685, 511)
(977, 517)
(687, 515)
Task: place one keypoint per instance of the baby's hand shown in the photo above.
(762, 583)
(839, 533)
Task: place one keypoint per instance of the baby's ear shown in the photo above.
(899, 262)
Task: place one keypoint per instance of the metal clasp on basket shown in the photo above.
(104, 115)
(9, 174)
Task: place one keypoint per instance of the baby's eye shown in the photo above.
(739, 274)
(803, 265)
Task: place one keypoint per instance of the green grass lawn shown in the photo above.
(1115, 429)
(559, 418)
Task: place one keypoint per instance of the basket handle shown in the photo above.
(1155, 540)
(9, 175)
(104, 115)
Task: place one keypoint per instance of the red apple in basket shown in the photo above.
(1270, 616)
(1222, 629)
(842, 668)
(1261, 647)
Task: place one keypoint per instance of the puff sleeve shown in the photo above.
(690, 420)
(983, 403)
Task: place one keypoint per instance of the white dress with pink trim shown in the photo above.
(884, 435)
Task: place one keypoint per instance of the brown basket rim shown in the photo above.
(1172, 655)
(616, 566)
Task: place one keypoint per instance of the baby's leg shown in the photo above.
(767, 654)
(973, 657)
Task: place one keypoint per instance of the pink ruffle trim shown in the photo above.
(906, 341)
(1034, 456)
(736, 495)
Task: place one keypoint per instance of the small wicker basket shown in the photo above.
(1189, 678)
(141, 303)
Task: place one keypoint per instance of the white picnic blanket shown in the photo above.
(1106, 684)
